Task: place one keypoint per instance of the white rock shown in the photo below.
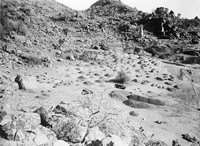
(60, 143)
(41, 139)
(116, 140)
(7, 119)
(95, 134)
(7, 107)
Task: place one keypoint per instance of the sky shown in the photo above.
(187, 8)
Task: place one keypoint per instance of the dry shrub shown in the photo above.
(121, 78)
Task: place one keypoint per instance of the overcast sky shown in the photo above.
(187, 8)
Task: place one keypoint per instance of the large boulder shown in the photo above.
(65, 123)
(60, 143)
(136, 104)
(94, 134)
(113, 140)
(159, 50)
(110, 140)
(119, 95)
(145, 99)
(25, 127)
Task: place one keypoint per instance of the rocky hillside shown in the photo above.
(41, 27)
(90, 78)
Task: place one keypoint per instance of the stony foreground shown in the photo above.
(89, 103)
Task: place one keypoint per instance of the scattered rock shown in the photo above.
(144, 82)
(86, 91)
(88, 83)
(136, 104)
(170, 89)
(168, 83)
(175, 143)
(176, 87)
(95, 47)
(159, 79)
(135, 80)
(146, 100)
(120, 86)
(70, 57)
(133, 113)
(189, 138)
(155, 143)
(159, 122)
(58, 52)
(20, 83)
(60, 60)
(108, 75)
(95, 143)
(82, 77)
(113, 140)
(119, 95)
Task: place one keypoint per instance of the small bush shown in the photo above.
(122, 78)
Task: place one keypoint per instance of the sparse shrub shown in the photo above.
(121, 78)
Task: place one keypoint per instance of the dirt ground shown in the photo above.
(64, 82)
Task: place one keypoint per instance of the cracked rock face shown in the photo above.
(66, 124)
(25, 127)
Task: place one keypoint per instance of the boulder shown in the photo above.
(146, 100)
(44, 136)
(20, 38)
(3, 113)
(25, 127)
(155, 143)
(190, 60)
(94, 143)
(120, 86)
(71, 58)
(86, 91)
(10, 48)
(119, 95)
(94, 134)
(65, 123)
(195, 40)
(95, 47)
(104, 47)
(60, 143)
(113, 140)
(43, 112)
(136, 104)
(19, 81)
